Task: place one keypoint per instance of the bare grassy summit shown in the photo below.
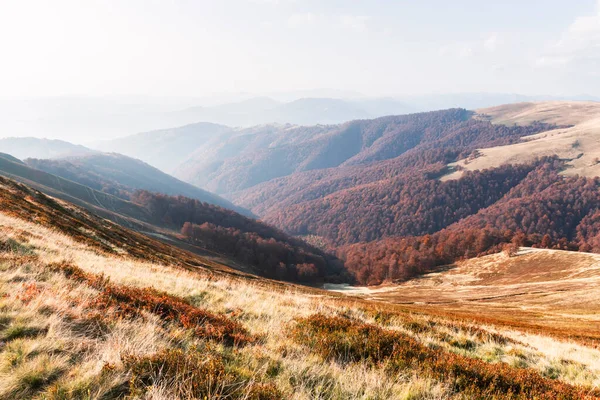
(578, 143)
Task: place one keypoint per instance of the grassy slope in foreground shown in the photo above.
(81, 318)
(550, 291)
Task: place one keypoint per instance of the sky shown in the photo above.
(375, 47)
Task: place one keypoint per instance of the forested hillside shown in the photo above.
(399, 196)
(194, 225)
(295, 149)
(273, 253)
(544, 210)
(121, 176)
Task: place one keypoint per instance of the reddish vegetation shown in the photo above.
(198, 375)
(283, 260)
(273, 253)
(131, 302)
(30, 291)
(544, 210)
(414, 203)
(346, 340)
(390, 148)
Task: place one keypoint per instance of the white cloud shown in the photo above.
(302, 19)
(491, 43)
(357, 23)
(579, 44)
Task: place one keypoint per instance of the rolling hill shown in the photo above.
(121, 176)
(577, 143)
(31, 147)
(92, 309)
(516, 289)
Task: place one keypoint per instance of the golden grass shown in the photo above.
(552, 292)
(578, 144)
(75, 356)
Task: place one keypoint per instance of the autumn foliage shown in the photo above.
(131, 302)
(346, 340)
(287, 260)
(544, 210)
(195, 373)
(272, 253)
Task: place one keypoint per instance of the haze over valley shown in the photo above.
(277, 199)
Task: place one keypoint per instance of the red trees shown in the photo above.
(270, 257)
(269, 251)
(414, 203)
(544, 210)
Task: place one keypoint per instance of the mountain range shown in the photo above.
(472, 230)
(87, 120)
(378, 181)
(91, 309)
(365, 188)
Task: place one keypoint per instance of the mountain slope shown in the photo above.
(31, 147)
(90, 309)
(223, 234)
(121, 176)
(291, 150)
(102, 203)
(165, 148)
(370, 189)
(576, 143)
(11, 158)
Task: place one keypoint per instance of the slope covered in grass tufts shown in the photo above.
(146, 342)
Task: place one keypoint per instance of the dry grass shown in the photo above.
(347, 340)
(57, 347)
(547, 291)
(578, 143)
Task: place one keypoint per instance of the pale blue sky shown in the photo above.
(376, 47)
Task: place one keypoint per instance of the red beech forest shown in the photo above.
(270, 251)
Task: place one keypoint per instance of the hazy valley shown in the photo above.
(474, 229)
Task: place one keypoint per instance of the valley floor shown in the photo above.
(551, 291)
(80, 323)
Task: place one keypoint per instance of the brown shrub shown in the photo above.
(193, 374)
(132, 302)
(346, 340)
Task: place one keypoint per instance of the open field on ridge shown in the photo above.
(579, 143)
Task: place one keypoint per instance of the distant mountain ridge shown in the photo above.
(84, 119)
(31, 147)
(121, 175)
(241, 242)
